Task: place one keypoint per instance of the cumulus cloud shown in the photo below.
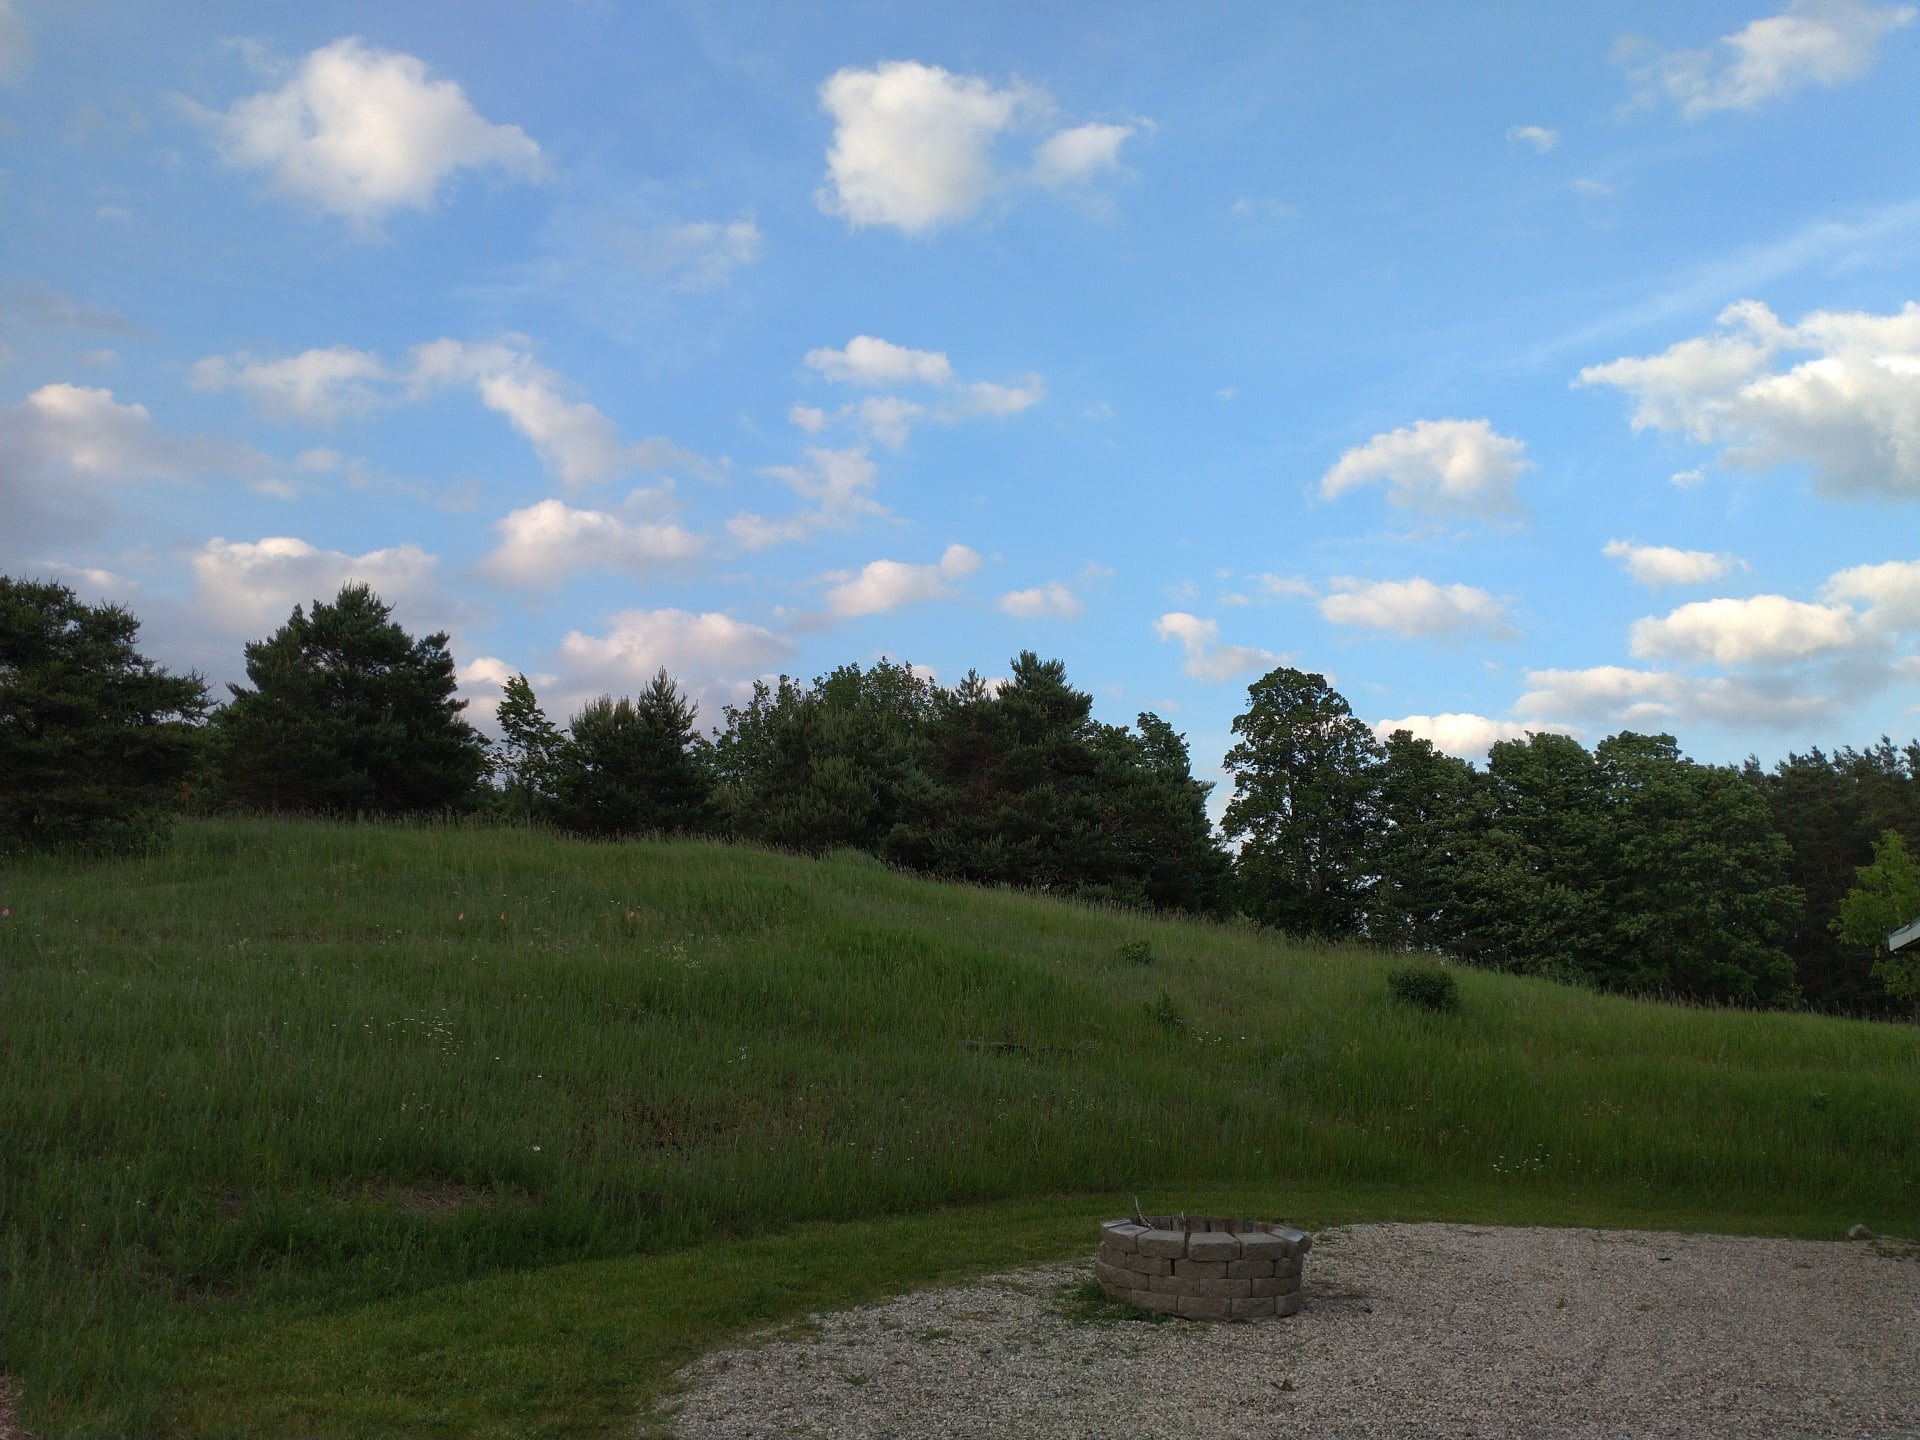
(1616, 696)
(359, 132)
(1443, 467)
(838, 486)
(869, 362)
(1891, 593)
(1657, 565)
(547, 541)
(315, 386)
(914, 145)
(1072, 157)
(1851, 412)
(1540, 138)
(884, 585)
(640, 642)
(1206, 658)
(575, 442)
(1052, 600)
(68, 452)
(1415, 607)
(1466, 735)
(1811, 42)
(250, 587)
(1763, 629)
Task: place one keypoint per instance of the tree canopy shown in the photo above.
(348, 714)
(94, 737)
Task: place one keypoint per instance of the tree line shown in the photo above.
(1627, 867)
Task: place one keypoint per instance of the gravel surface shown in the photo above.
(1418, 1331)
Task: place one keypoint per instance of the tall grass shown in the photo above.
(298, 1066)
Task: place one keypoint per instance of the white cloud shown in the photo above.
(1284, 585)
(67, 452)
(1657, 565)
(360, 132)
(1764, 629)
(550, 540)
(82, 431)
(640, 642)
(884, 585)
(1616, 696)
(1206, 658)
(1824, 42)
(250, 588)
(1071, 157)
(1851, 412)
(1466, 735)
(1539, 137)
(913, 145)
(1414, 607)
(868, 360)
(1891, 592)
(1444, 467)
(837, 483)
(576, 443)
(983, 397)
(1052, 599)
(315, 386)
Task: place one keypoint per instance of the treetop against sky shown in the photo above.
(1539, 368)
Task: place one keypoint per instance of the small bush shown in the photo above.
(1167, 1014)
(1427, 986)
(1136, 952)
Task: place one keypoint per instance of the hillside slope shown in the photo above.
(299, 1066)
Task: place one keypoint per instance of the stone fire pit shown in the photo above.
(1202, 1266)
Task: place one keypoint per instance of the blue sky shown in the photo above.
(1547, 367)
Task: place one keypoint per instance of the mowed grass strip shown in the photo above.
(292, 1073)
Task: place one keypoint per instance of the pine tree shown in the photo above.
(95, 738)
(348, 714)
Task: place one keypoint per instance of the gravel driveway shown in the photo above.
(1416, 1331)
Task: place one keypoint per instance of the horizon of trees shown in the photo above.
(1626, 867)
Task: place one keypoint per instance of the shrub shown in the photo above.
(1136, 952)
(1427, 986)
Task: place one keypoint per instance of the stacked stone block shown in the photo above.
(1202, 1267)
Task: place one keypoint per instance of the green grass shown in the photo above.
(292, 1149)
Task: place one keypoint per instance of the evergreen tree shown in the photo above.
(635, 765)
(348, 714)
(95, 738)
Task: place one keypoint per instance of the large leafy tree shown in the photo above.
(635, 765)
(1302, 805)
(1699, 894)
(528, 759)
(1430, 819)
(1832, 808)
(348, 714)
(94, 737)
(1884, 898)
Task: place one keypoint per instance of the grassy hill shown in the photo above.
(290, 1107)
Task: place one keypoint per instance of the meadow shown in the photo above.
(336, 1129)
